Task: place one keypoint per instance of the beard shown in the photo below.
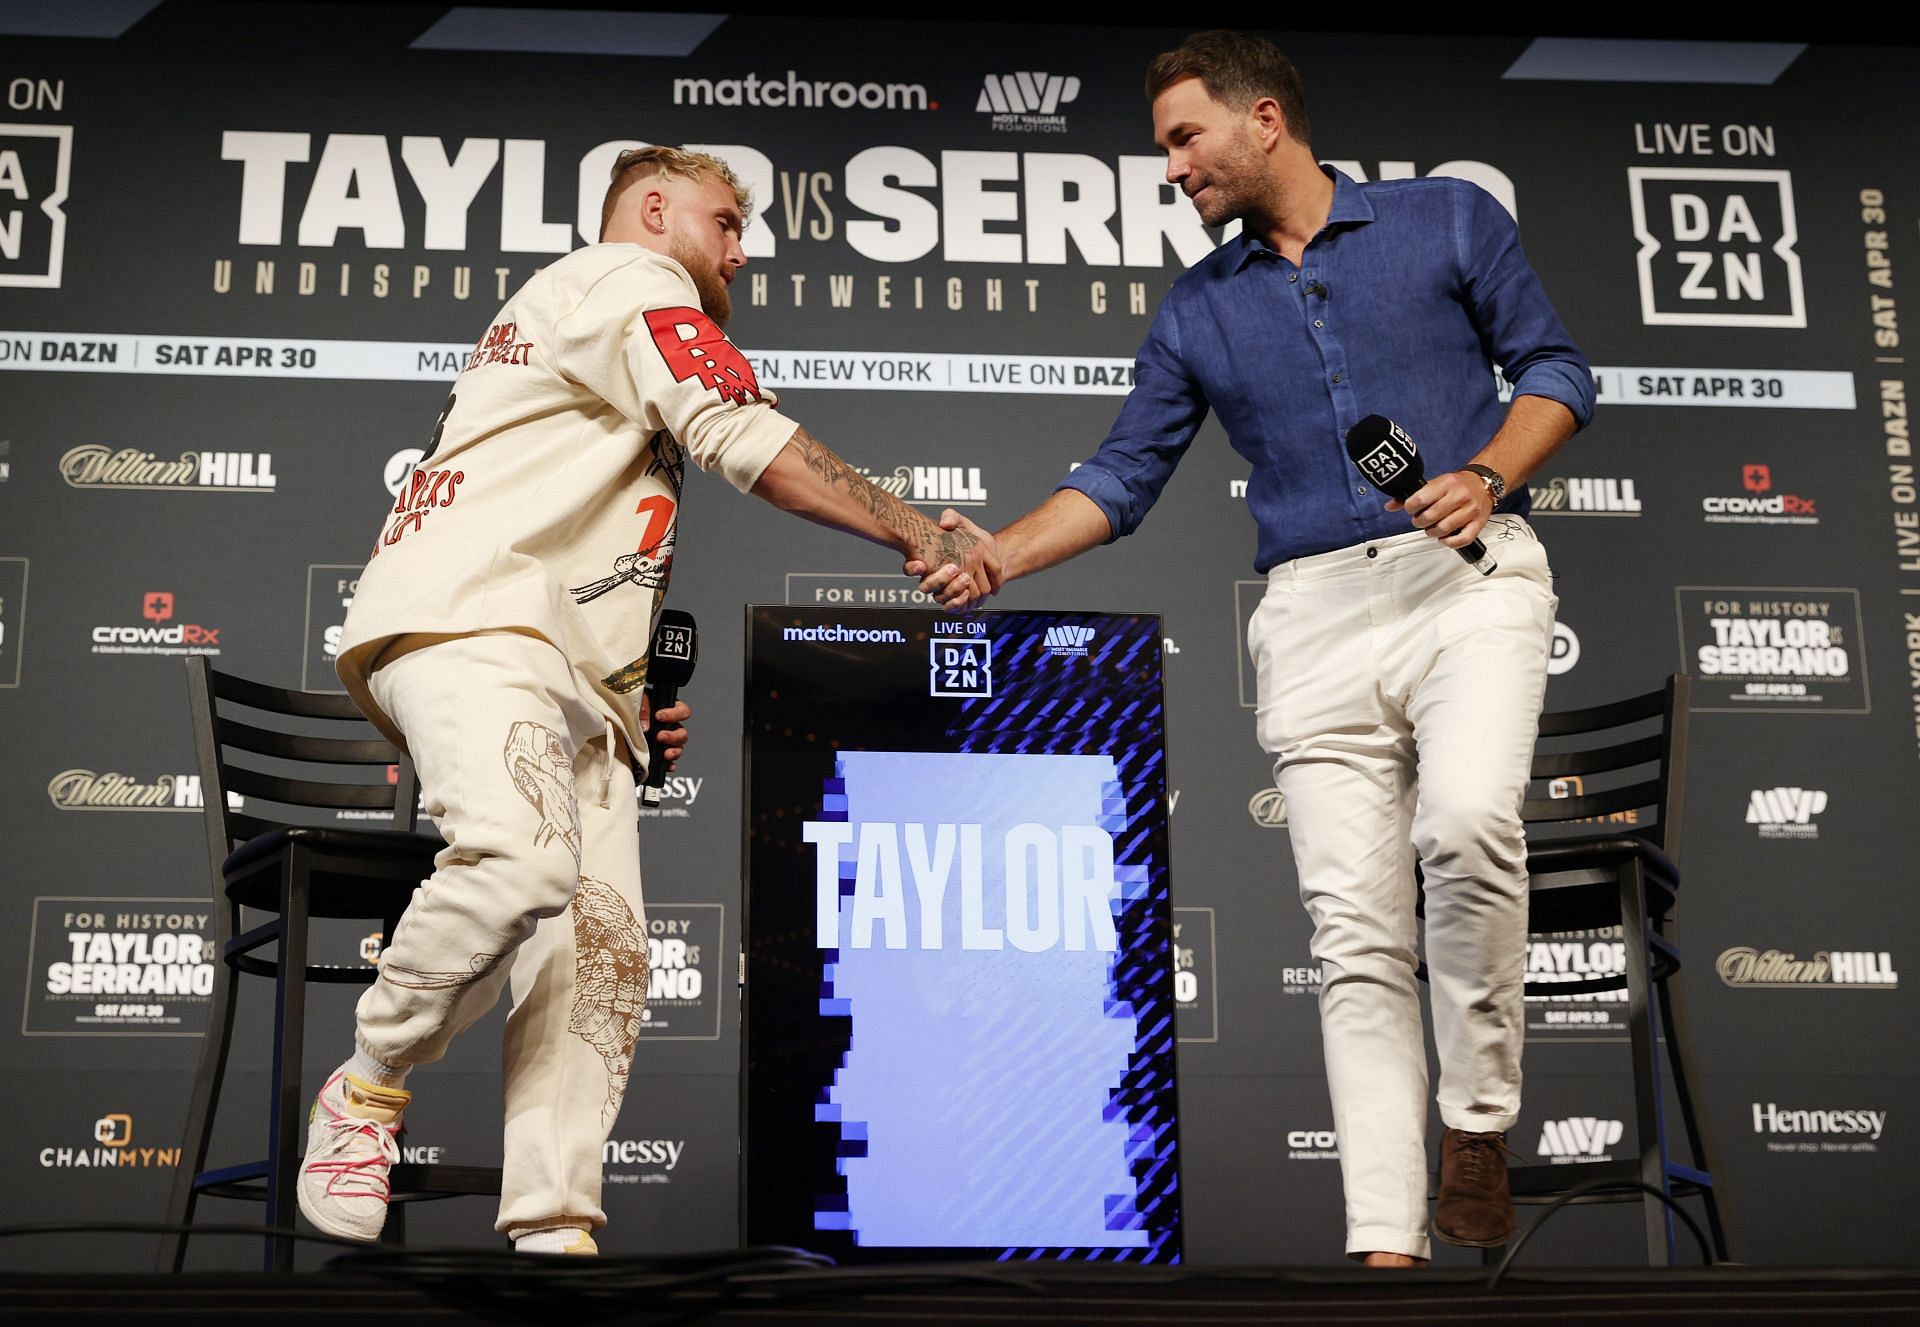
(1232, 185)
(715, 302)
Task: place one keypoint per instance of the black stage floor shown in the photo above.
(613, 1290)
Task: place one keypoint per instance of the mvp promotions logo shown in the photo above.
(1769, 649)
(1027, 103)
(1716, 247)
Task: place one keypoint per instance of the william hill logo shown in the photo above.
(944, 485)
(1069, 642)
(1854, 969)
(96, 466)
(84, 790)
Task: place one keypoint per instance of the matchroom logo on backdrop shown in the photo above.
(118, 967)
(1770, 649)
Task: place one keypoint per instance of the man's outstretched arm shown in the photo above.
(1064, 526)
(807, 479)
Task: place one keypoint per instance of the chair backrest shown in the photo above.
(292, 757)
(1608, 766)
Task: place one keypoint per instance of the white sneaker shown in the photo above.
(559, 1239)
(352, 1142)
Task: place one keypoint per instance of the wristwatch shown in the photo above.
(1496, 482)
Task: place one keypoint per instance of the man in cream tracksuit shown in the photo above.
(500, 634)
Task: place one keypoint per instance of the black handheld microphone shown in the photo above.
(670, 660)
(1387, 456)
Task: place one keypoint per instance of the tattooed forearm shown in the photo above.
(925, 536)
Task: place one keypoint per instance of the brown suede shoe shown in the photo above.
(1475, 1208)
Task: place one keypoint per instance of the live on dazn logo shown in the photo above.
(34, 162)
(1716, 247)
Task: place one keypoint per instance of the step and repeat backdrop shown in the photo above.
(244, 250)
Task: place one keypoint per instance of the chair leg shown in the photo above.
(197, 1137)
(1649, 1124)
(1706, 1157)
(286, 1141)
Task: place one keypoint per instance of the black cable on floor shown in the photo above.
(1598, 1186)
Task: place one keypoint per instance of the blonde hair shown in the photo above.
(671, 163)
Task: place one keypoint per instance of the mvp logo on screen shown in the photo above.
(1716, 247)
(33, 184)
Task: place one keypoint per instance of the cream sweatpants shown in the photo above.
(1399, 692)
(538, 890)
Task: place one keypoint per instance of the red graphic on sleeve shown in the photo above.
(695, 348)
(501, 345)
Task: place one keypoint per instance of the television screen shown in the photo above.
(958, 1003)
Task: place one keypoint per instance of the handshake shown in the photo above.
(956, 562)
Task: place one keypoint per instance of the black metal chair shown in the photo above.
(1604, 768)
(312, 755)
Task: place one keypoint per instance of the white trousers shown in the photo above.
(537, 890)
(1399, 692)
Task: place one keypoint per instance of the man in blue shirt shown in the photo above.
(1399, 688)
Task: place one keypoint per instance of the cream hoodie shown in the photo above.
(549, 499)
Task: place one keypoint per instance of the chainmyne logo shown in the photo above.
(1069, 642)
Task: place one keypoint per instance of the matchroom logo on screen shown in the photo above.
(34, 161)
(1716, 247)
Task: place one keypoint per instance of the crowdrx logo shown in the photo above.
(1786, 813)
(1757, 507)
(113, 1150)
(1312, 1145)
(1027, 103)
(1847, 969)
(156, 606)
(1580, 1138)
(1069, 642)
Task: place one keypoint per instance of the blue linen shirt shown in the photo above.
(1400, 306)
